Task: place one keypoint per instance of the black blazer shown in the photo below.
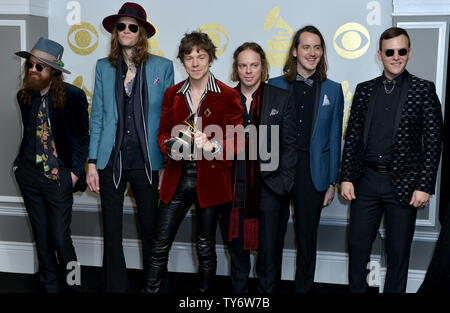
(417, 136)
(278, 108)
(70, 127)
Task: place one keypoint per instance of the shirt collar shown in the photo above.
(210, 86)
(398, 80)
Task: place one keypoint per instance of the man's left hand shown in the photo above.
(74, 179)
(419, 199)
(202, 142)
(329, 196)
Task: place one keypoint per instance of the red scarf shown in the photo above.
(253, 181)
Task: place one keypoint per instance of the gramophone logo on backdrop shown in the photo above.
(82, 38)
(351, 40)
(153, 42)
(278, 45)
(348, 98)
(218, 36)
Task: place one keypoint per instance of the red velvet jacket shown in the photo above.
(214, 176)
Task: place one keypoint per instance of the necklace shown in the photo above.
(385, 82)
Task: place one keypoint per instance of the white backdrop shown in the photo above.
(351, 29)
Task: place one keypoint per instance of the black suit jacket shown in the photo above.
(70, 127)
(278, 109)
(417, 136)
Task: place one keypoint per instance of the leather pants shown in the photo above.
(170, 217)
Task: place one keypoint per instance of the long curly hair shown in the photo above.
(57, 91)
(141, 55)
(290, 68)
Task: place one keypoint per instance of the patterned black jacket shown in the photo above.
(417, 136)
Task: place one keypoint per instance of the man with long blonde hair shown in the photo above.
(126, 107)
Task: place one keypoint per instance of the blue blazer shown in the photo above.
(325, 146)
(104, 116)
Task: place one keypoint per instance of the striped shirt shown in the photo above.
(186, 91)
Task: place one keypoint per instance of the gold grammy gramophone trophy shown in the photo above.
(185, 137)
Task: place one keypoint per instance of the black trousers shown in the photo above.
(49, 209)
(374, 196)
(268, 245)
(307, 208)
(169, 219)
(146, 195)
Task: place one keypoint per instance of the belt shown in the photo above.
(379, 168)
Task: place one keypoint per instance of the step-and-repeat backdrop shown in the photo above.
(351, 29)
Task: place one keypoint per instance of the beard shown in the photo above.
(36, 81)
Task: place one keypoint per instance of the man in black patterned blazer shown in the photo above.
(390, 159)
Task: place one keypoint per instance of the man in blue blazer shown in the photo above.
(319, 105)
(126, 108)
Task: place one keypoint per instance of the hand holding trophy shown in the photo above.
(181, 145)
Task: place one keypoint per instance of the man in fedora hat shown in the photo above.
(52, 155)
(126, 107)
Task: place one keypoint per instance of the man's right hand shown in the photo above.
(92, 178)
(347, 191)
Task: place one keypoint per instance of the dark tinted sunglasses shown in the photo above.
(132, 27)
(401, 52)
(39, 66)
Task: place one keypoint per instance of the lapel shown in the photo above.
(265, 105)
(110, 81)
(401, 103)
(320, 92)
(149, 75)
(370, 109)
(209, 103)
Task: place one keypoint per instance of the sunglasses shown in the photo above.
(39, 66)
(132, 27)
(401, 52)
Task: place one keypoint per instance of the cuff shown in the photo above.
(93, 161)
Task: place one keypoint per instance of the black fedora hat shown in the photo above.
(133, 10)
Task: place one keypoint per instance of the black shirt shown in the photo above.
(305, 98)
(381, 132)
(246, 120)
(132, 157)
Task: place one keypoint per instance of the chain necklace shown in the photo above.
(385, 82)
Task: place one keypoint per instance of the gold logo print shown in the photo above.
(153, 42)
(80, 38)
(278, 46)
(348, 98)
(215, 32)
(348, 41)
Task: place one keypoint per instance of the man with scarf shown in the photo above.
(260, 184)
(128, 93)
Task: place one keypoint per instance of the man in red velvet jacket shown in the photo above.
(199, 174)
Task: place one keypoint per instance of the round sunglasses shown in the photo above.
(132, 27)
(39, 66)
(401, 52)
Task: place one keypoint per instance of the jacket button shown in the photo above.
(212, 166)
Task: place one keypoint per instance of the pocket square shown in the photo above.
(156, 81)
(273, 112)
(325, 100)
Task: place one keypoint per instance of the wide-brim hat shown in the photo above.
(133, 10)
(48, 51)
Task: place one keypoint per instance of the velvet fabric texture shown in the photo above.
(253, 180)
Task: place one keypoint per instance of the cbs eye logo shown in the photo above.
(351, 40)
(218, 35)
(82, 38)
